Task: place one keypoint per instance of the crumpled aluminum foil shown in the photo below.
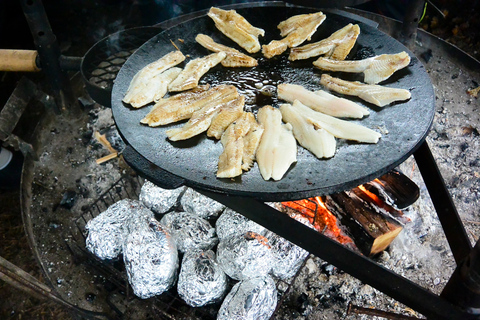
(288, 257)
(107, 231)
(157, 199)
(151, 260)
(245, 256)
(190, 231)
(232, 223)
(197, 203)
(201, 280)
(252, 299)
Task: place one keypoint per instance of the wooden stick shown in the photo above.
(106, 158)
(103, 140)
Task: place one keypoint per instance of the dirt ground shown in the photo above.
(459, 26)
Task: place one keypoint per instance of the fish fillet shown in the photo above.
(234, 57)
(250, 144)
(180, 108)
(141, 78)
(201, 119)
(194, 70)
(317, 140)
(295, 30)
(237, 28)
(336, 47)
(228, 114)
(376, 94)
(321, 101)
(230, 161)
(155, 89)
(278, 148)
(376, 69)
(339, 128)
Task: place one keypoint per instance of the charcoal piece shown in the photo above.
(190, 231)
(245, 256)
(232, 223)
(151, 260)
(252, 299)
(203, 206)
(288, 257)
(201, 280)
(157, 199)
(108, 231)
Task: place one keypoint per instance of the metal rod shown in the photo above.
(49, 52)
(358, 266)
(408, 33)
(447, 213)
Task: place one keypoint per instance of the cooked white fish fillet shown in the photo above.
(228, 114)
(230, 161)
(339, 128)
(321, 101)
(278, 148)
(295, 31)
(376, 94)
(376, 69)
(336, 47)
(237, 28)
(317, 140)
(180, 108)
(156, 88)
(201, 119)
(142, 78)
(234, 57)
(194, 70)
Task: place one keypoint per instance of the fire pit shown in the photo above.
(319, 288)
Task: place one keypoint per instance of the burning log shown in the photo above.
(395, 189)
(371, 231)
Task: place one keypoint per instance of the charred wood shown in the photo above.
(371, 231)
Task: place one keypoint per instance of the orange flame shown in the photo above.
(372, 196)
(322, 219)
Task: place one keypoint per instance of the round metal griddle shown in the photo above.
(194, 162)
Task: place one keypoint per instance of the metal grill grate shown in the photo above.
(166, 306)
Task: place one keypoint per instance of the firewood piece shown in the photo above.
(379, 205)
(371, 231)
(395, 188)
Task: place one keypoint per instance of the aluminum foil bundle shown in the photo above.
(252, 299)
(157, 199)
(288, 257)
(190, 231)
(201, 280)
(197, 203)
(108, 231)
(232, 223)
(245, 256)
(151, 260)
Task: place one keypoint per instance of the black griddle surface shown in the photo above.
(403, 125)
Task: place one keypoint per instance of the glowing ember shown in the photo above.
(322, 219)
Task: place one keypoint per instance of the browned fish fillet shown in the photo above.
(201, 119)
(142, 78)
(250, 145)
(376, 69)
(295, 31)
(169, 111)
(230, 161)
(194, 70)
(228, 114)
(335, 47)
(376, 94)
(237, 28)
(234, 57)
